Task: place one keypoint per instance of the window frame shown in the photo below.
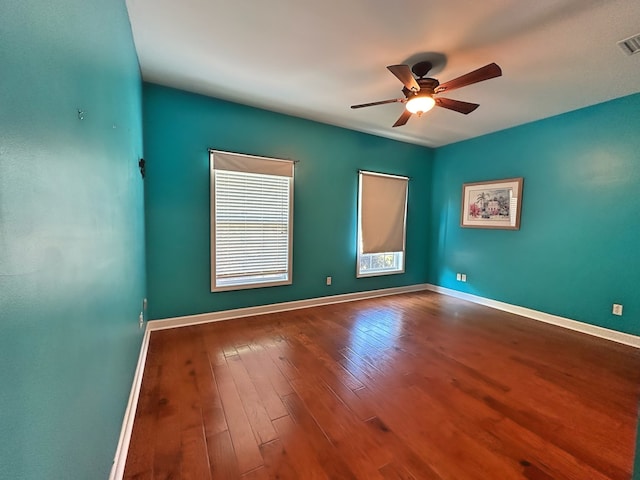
(359, 255)
(212, 219)
(398, 258)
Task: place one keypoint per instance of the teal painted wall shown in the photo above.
(71, 235)
(576, 252)
(178, 129)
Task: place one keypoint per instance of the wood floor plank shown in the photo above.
(259, 473)
(260, 373)
(326, 451)
(339, 380)
(222, 457)
(334, 369)
(262, 359)
(277, 348)
(407, 463)
(208, 397)
(277, 461)
(343, 428)
(166, 443)
(194, 455)
(302, 456)
(245, 443)
(393, 471)
(140, 458)
(251, 401)
(416, 386)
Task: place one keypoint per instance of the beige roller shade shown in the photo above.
(235, 162)
(383, 209)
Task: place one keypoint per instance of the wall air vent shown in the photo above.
(630, 45)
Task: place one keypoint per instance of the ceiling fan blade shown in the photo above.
(480, 75)
(403, 73)
(382, 102)
(456, 105)
(404, 118)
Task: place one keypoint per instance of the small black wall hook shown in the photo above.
(141, 164)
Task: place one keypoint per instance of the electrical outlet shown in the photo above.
(458, 276)
(617, 309)
(328, 280)
(464, 277)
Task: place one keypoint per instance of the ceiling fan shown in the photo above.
(420, 92)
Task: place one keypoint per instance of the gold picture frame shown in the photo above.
(492, 204)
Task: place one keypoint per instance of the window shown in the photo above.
(251, 221)
(382, 211)
(370, 264)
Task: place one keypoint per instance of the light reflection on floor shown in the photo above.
(373, 339)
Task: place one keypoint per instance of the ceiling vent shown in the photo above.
(630, 45)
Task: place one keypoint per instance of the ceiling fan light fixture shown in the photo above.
(420, 104)
(418, 92)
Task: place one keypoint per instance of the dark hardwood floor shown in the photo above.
(415, 386)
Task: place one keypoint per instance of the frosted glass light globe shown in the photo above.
(420, 104)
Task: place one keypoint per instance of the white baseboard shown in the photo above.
(120, 459)
(278, 307)
(625, 338)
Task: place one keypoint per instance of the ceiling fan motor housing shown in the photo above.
(427, 86)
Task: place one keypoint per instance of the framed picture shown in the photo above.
(494, 204)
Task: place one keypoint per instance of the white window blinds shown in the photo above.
(251, 225)
(383, 211)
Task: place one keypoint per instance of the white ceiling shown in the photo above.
(315, 58)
